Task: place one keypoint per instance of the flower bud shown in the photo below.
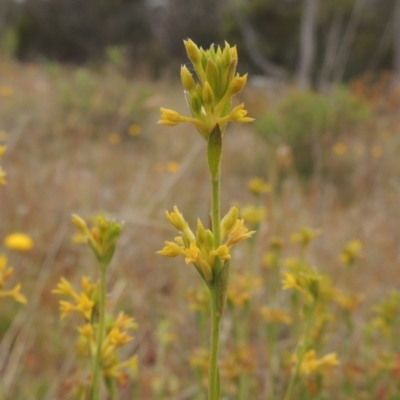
(228, 222)
(187, 79)
(208, 95)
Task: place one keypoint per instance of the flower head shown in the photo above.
(18, 241)
(209, 99)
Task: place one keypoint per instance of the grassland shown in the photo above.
(86, 141)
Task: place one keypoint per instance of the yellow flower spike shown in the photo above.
(171, 249)
(19, 242)
(3, 262)
(2, 150)
(209, 100)
(238, 233)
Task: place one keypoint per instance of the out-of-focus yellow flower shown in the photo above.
(134, 130)
(377, 151)
(5, 275)
(2, 176)
(339, 149)
(258, 186)
(199, 299)
(114, 138)
(350, 252)
(2, 150)
(305, 235)
(311, 363)
(210, 99)
(348, 302)
(18, 241)
(253, 215)
(275, 316)
(172, 167)
(241, 288)
(6, 91)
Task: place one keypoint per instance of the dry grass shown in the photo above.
(60, 161)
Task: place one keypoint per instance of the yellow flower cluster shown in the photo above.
(241, 288)
(5, 275)
(102, 238)
(275, 316)
(312, 285)
(84, 303)
(258, 186)
(199, 249)
(305, 235)
(252, 214)
(387, 313)
(210, 99)
(310, 363)
(350, 252)
(237, 362)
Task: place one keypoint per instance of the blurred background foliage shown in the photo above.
(347, 37)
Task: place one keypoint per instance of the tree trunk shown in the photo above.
(307, 43)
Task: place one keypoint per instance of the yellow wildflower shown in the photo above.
(253, 215)
(275, 316)
(18, 241)
(172, 167)
(339, 149)
(305, 235)
(377, 151)
(258, 186)
(6, 91)
(134, 130)
(209, 100)
(238, 233)
(114, 138)
(311, 363)
(350, 252)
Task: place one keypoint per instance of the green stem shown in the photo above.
(214, 386)
(215, 208)
(96, 365)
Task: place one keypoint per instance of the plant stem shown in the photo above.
(213, 390)
(96, 366)
(215, 208)
(216, 314)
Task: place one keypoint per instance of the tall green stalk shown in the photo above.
(96, 365)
